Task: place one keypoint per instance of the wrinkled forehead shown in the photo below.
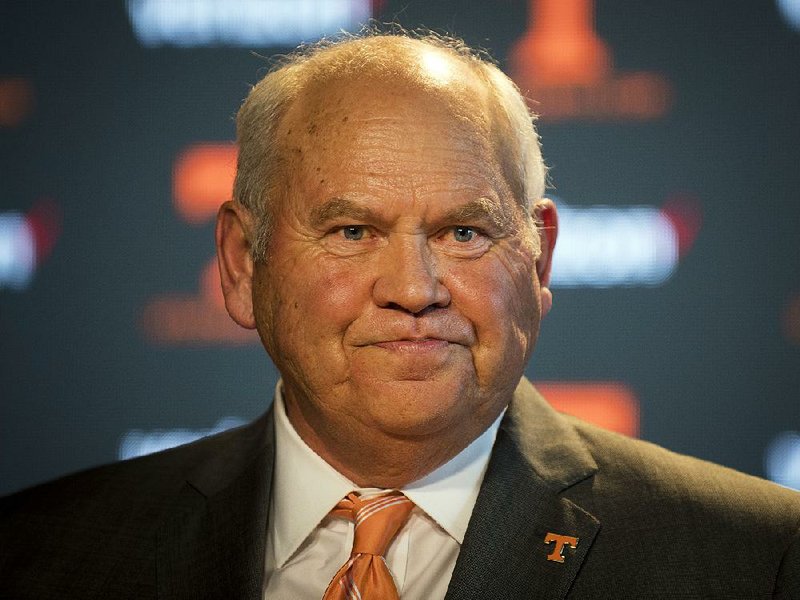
(368, 105)
(378, 111)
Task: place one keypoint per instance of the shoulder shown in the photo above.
(143, 481)
(718, 531)
(710, 531)
(629, 467)
(618, 476)
(108, 518)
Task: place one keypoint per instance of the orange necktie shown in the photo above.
(365, 575)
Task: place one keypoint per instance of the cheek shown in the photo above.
(498, 289)
(320, 296)
(500, 298)
(519, 268)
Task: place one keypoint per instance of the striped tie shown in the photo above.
(365, 576)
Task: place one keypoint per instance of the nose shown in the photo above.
(409, 279)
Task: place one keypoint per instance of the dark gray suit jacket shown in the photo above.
(191, 522)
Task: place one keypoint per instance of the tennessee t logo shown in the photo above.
(557, 555)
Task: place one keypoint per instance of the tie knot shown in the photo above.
(377, 520)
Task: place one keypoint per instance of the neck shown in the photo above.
(371, 458)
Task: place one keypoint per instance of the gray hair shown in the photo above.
(377, 54)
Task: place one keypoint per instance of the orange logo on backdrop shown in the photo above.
(16, 101)
(791, 320)
(567, 69)
(608, 404)
(202, 179)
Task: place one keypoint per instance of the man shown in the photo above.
(389, 240)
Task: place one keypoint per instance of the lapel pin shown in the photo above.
(557, 555)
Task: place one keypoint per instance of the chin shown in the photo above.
(411, 408)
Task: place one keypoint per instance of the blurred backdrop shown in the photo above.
(672, 130)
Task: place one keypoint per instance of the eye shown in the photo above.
(464, 241)
(353, 232)
(464, 234)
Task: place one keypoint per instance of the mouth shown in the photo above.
(419, 345)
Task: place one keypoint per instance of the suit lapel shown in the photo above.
(212, 542)
(537, 457)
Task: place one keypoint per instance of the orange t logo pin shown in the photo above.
(557, 555)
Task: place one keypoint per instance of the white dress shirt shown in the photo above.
(306, 547)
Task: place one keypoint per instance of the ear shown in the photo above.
(547, 220)
(235, 262)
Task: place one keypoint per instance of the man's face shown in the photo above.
(400, 295)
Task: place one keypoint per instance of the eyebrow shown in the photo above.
(336, 208)
(481, 209)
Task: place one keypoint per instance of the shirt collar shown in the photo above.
(306, 488)
(448, 494)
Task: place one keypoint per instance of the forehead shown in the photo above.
(377, 134)
(340, 104)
